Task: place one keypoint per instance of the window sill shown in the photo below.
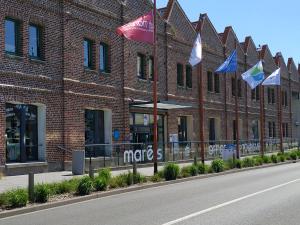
(37, 60)
(14, 56)
(181, 87)
(89, 70)
(106, 74)
(142, 79)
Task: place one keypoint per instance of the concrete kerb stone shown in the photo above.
(30, 209)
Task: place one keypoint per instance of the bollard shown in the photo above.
(31, 186)
(91, 171)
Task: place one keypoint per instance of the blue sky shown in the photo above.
(272, 22)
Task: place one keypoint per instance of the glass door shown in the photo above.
(21, 133)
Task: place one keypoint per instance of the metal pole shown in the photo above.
(31, 186)
(225, 98)
(237, 112)
(262, 123)
(246, 99)
(201, 112)
(279, 112)
(155, 93)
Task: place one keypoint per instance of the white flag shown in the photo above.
(273, 79)
(196, 54)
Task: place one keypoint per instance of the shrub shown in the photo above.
(113, 182)
(121, 180)
(247, 162)
(238, 164)
(85, 186)
(1, 175)
(100, 184)
(266, 159)
(155, 178)
(139, 178)
(3, 200)
(105, 174)
(193, 170)
(185, 171)
(188, 171)
(171, 171)
(161, 173)
(41, 193)
(281, 157)
(66, 186)
(297, 152)
(258, 161)
(16, 198)
(129, 178)
(293, 155)
(274, 158)
(209, 169)
(287, 156)
(218, 165)
(202, 169)
(230, 164)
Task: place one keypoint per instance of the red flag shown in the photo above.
(141, 29)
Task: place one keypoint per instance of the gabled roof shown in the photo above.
(226, 34)
(203, 18)
(248, 41)
(290, 63)
(169, 8)
(225, 37)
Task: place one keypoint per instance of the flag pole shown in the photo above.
(155, 144)
(262, 123)
(237, 112)
(279, 109)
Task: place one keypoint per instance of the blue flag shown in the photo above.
(230, 65)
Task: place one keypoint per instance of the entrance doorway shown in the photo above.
(21, 133)
(94, 132)
(141, 129)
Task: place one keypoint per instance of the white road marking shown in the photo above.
(228, 203)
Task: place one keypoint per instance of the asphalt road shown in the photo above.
(257, 197)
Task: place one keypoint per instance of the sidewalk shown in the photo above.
(21, 181)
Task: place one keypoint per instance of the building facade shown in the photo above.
(68, 81)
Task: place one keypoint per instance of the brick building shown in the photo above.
(68, 80)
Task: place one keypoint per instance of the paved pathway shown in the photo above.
(9, 182)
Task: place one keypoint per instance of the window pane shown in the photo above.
(209, 81)
(103, 57)
(239, 88)
(87, 53)
(34, 41)
(180, 75)
(140, 66)
(10, 36)
(189, 76)
(233, 86)
(217, 83)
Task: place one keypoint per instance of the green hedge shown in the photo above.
(218, 165)
(171, 171)
(41, 193)
(85, 186)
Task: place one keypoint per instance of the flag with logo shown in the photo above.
(196, 54)
(230, 65)
(273, 79)
(141, 29)
(255, 75)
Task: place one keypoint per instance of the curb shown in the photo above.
(15, 212)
